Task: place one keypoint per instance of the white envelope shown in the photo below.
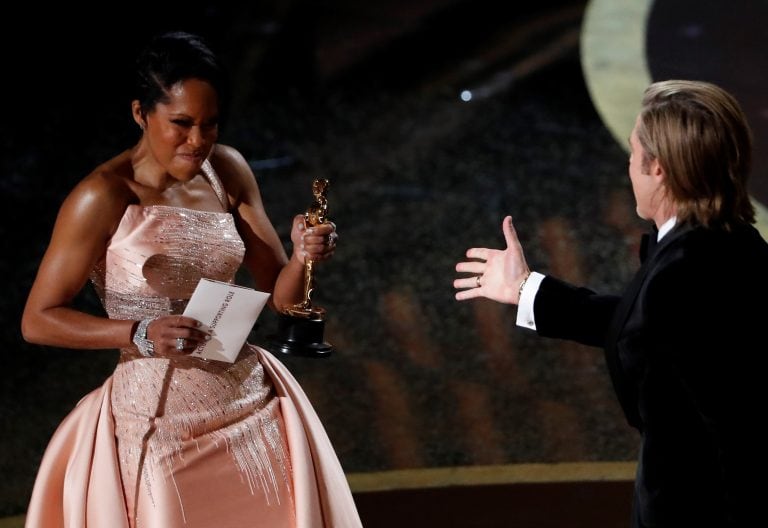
(228, 312)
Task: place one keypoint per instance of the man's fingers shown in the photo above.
(510, 235)
(467, 282)
(463, 295)
(477, 253)
(471, 267)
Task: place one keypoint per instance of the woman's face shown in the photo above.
(181, 133)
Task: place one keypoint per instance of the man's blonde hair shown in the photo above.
(699, 135)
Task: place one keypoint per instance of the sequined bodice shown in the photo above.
(157, 256)
(159, 253)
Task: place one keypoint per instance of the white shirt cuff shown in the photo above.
(525, 316)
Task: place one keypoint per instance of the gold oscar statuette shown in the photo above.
(316, 214)
(300, 326)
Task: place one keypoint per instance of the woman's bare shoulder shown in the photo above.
(233, 170)
(229, 162)
(105, 192)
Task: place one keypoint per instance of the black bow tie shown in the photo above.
(647, 245)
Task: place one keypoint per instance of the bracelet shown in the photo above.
(522, 285)
(146, 346)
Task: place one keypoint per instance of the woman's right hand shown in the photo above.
(168, 331)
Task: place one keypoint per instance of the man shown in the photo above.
(684, 343)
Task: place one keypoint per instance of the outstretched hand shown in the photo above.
(496, 273)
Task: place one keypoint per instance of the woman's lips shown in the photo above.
(192, 157)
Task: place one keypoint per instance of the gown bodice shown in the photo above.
(159, 253)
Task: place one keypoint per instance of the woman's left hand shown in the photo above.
(313, 242)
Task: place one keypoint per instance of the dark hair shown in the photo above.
(173, 57)
(700, 136)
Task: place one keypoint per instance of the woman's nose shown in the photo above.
(195, 136)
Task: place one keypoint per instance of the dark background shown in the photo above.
(367, 95)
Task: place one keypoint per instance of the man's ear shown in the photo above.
(657, 171)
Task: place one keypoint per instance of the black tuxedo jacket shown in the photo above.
(686, 349)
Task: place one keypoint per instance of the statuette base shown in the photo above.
(300, 336)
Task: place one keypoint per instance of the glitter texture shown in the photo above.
(162, 406)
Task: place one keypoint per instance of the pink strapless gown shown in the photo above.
(187, 442)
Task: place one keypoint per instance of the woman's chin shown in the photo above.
(185, 172)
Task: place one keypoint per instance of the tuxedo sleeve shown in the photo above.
(565, 311)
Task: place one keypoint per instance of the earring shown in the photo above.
(141, 126)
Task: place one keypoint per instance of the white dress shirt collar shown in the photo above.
(666, 227)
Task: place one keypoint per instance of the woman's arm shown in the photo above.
(265, 257)
(86, 221)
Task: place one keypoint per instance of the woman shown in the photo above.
(685, 342)
(172, 440)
